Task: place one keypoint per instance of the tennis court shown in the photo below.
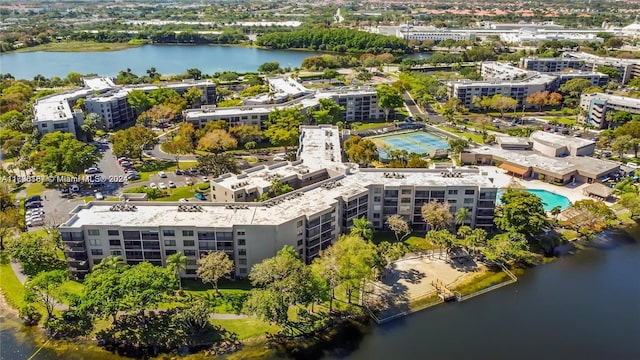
(418, 142)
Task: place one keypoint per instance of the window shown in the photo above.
(468, 201)
(453, 192)
(116, 253)
(192, 262)
(131, 235)
(169, 243)
(95, 242)
(243, 270)
(169, 252)
(187, 233)
(113, 232)
(187, 243)
(376, 215)
(242, 261)
(240, 233)
(469, 192)
(206, 235)
(168, 232)
(242, 242)
(299, 224)
(405, 200)
(93, 232)
(377, 199)
(96, 252)
(114, 242)
(150, 235)
(406, 191)
(452, 201)
(242, 252)
(190, 253)
(299, 242)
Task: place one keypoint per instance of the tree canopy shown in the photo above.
(521, 212)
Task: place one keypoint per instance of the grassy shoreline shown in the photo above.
(76, 46)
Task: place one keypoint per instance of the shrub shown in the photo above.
(204, 187)
(72, 324)
(30, 315)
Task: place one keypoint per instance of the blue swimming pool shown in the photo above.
(549, 199)
(418, 142)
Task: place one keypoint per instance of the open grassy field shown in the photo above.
(77, 46)
(246, 328)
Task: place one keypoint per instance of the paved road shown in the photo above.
(416, 110)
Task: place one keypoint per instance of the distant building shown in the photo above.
(529, 35)
(409, 32)
(629, 68)
(492, 70)
(551, 64)
(597, 105)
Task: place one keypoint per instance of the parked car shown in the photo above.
(565, 131)
(200, 196)
(153, 186)
(188, 181)
(183, 200)
(99, 196)
(162, 174)
(133, 176)
(162, 186)
(278, 158)
(126, 164)
(75, 188)
(172, 184)
(632, 165)
(33, 198)
(33, 205)
(205, 179)
(37, 222)
(179, 172)
(34, 211)
(92, 170)
(65, 190)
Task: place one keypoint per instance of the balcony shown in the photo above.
(75, 249)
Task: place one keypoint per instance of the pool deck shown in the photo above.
(504, 180)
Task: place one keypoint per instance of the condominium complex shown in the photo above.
(421, 33)
(597, 105)
(501, 71)
(359, 104)
(551, 64)
(629, 68)
(103, 97)
(328, 196)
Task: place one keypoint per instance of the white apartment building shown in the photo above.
(329, 195)
(421, 33)
(528, 35)
(597, 105)
(467, 90)
(551, 64)
(360, 105)
(629, 68)
(492, 70)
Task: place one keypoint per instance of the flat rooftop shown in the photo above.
(320, 145)
(528, 159)
(555, 140)
(615, 99)
(513, 140)
(98, 83)
(206, 112)
(285, 86)
(540, 79)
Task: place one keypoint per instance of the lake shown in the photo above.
(167, 59)
(585, 306)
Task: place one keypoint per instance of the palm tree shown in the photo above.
(555, 212)
(112, 262)
(461, 216)
(177, 262)
(362, 227)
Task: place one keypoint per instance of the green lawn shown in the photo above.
(564, 120)
(36, 188)
(246, 328)
(176, 194)
(77, 46)
(373, 125)
(10, 286)
(465, 134)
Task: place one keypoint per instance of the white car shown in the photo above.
(34, 218)
(162, 186)
(279, 158)
(188, 181)
(35, 222)
(34, 212)
(205, 179)
(99, 196)
(153, 186)
(172, 184)
(183, 200)
(162, 174)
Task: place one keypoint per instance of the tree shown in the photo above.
(157, 115)
(179, 147)
(436, 214)
(43, 288)
(217, 141)
(443, 239)
(389, 98)
(631, 201)
(614, 43)
(74, 78)
(458, 145)
(503, 103)
(214, 266)
(177, 263)
(61, 152)
(194, 73)
(622, 144)
(399, 226)
(269, 67)
(10, 218)
(362, 227)
(575, 87)
(283, 126)
(389, 252)
(193, 96)
(331, 110)
(103, 293)
(593, 214)
(132, 141)
(554, 99)
(611, 71)
(91, 124)
(145, 286)
(538, 99)
(217, 164)
(361, 151)
(246, 133)
(36, 253)
(139, 100)
(281, 282)
(522, 212)
(461, 216)
(506, 248)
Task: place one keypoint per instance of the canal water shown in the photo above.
(585, 306)
(167, 59)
